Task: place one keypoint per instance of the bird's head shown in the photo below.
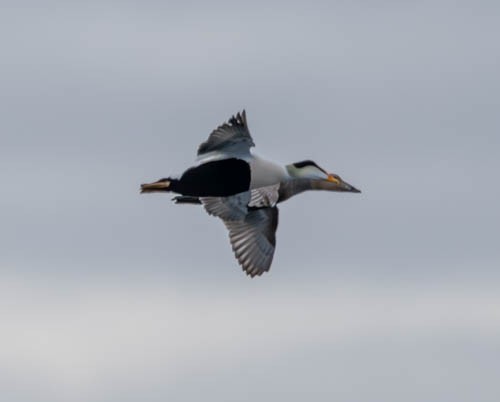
(319, 177)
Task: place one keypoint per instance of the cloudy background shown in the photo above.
(390, 295)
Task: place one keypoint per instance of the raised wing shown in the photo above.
(230, 139)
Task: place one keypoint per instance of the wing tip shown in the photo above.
(238, 120)
(253, 272)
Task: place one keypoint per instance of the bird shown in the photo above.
(243, 190)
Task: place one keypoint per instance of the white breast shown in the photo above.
(265, 173)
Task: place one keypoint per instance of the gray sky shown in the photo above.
(385, 296)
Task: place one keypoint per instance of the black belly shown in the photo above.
(215, 179)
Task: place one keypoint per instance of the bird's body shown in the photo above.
(243, 190)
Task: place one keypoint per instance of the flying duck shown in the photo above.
(243, 190)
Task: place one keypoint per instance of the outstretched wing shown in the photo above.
(230, 139)
(252, 219)
(253, 239)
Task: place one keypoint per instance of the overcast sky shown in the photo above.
(388, 295)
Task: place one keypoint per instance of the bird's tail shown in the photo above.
(162, 185)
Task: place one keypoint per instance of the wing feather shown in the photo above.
(227, 208)
(264, 196)
(253, 239)
(231, 139)
(252, 219)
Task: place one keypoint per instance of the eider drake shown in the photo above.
(243, 190)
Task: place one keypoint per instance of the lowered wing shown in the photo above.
(252, 219)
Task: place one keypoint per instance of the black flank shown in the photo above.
(214, 179)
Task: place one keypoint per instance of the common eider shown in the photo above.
(243, 190)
